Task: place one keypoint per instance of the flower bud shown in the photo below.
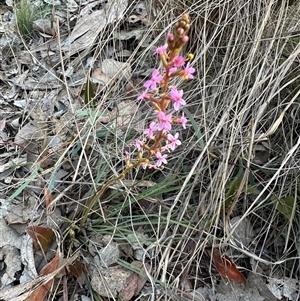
(185, 39)
(170, 37)
(180, 30)
(185, 17)
(182, 23)
(190, 56)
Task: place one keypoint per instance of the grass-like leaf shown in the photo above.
(25, 17)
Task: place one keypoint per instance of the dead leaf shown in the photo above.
(115, 69)
(243, 233)
(46, 82)
(142, 277)
(284, 287)
(135, 282)
(126, 113)
(286, 206)
(226, 267)
(11, 258)
(76, 270)
(40, 293)
(9, 236)
(22, 291)
(41, 235)
(50, 267)
(27, 257)
(31, 131)
(99, 77)
(129, 291)
(108, 282)
(2, 124)
(89, 26)
(48, 197)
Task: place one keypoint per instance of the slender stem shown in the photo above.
(99, 192)
(161, 103)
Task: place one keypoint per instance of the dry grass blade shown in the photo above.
(239, 154)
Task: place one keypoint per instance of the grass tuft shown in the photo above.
(25, 14)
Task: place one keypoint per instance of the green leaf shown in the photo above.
(285, 206)
(233, 185)
(196, 128)
(93, 115)
(89, 93)
(252, 190)
(25, 184)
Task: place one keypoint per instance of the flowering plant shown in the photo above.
(152, 151)
(161, 94)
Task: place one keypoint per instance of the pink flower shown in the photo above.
(144, 165)
(178, 61)
(164, 148)
(187, 71)
(161, 159)
(164, 121)
(173, 141)
(176, 96)
(182, 120)
(161, 49)
(139, 144)
(172, 70)
(127, 155)
(144, 95)
(150, 130)
(156, 78)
